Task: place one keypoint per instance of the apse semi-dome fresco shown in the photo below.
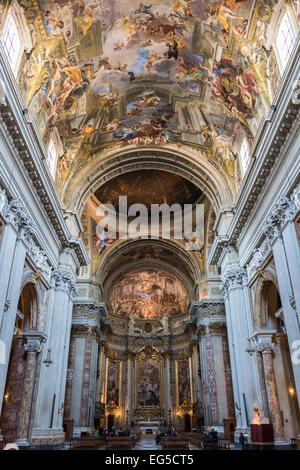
(106, 74)
(148, 294)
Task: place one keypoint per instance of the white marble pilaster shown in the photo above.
(49, 408)
(279, 232)
(129, 399)
(244, 385)
(17, 234)
(167, 386)
(100, 396)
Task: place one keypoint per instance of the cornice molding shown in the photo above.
(97, 309)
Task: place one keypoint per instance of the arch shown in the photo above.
(30, 299)
(81, 185)
(266, 279)
(110, 263)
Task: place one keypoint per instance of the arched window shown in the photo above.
(244, 155)
(12, 43)
(52, 158)
(285, 40)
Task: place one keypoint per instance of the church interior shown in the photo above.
(179, 103)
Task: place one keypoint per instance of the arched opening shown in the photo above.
(21, 371)
(273, 322)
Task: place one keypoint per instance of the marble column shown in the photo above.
(33, 345)
(215, 365)
(265, 346)
(239, 325)
(84, 376)
(129, 398)
(100, 395)
(195, 374)
(88, 351)
(208, 377)
(281, 236)
(18, 235)
(48, 426)
(166, 385)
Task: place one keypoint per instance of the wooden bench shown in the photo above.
(86, 443)
(221, 444)
(172, 442)
(120, 443)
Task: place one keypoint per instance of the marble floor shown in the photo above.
(148, 443)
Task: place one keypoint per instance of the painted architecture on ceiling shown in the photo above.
(98, 74)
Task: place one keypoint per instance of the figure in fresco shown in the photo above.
(53, 25)
(221, 11)
(87, 132)
(173, 50)
(248, 87)
(147, 9)
(240, 30)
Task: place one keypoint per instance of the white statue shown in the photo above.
(165, 324)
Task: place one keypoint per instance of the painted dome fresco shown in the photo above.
(148, 294)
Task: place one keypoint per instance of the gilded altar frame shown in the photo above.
(149, 352)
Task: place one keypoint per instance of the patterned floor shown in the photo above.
(148, 443)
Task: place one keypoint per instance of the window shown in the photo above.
(244, 155)
(12, 44)
(52, 157)
(285, 40)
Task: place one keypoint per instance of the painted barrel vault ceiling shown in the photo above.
(102, 74)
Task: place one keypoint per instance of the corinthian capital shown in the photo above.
(282, 212)
(18, 216)
(64, 280)
(34, 341)
(264, 340)
(233, 279)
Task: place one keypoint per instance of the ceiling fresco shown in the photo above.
(148, 187)
(148, 294)
(104, 73)
(143, 187)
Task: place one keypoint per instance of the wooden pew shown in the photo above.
(86, 443)
(120, 442)
(173, 442)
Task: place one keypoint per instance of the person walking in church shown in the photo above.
(242, 440)
(214, 438)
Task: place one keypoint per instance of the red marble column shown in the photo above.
(33, 346)
(265, 346)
